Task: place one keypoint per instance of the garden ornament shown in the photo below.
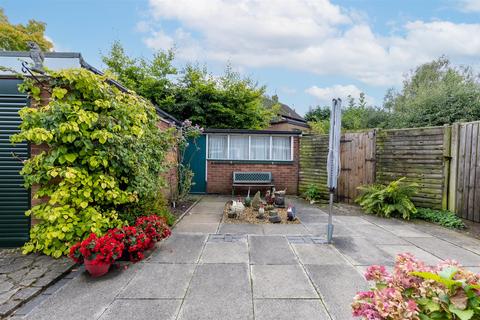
(291, 214)
(261, 212)
(37, 56)
(256, 201)
(280, 198)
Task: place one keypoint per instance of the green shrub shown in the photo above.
(392, 200)
(312, 193)
(168, 215)
(442, 217)
(105, 155)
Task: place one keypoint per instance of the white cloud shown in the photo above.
(326, 94)
(313, 36)
(470, 5)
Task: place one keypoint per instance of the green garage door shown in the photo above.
(14, 199)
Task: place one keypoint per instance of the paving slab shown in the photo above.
(201, 218)
(159, 281)
(208, 208)
(83, 297)
(219, 291)
(361, 251)
(378, 235)
(337, 285)
(179, 248)
(421, 254)
(288, 309)
(353, 221)
(452, 236)
(322, 254)
(445, 250)
(142, 310)
(241, 228)
(196, 227)
(284, 229)
(402, 230)
(313, 217)
(320, 229)
(281, 281)
(225, 252)
(270, 250)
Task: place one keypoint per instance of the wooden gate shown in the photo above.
(465, 171)
(357, 161)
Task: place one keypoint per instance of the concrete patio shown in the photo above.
(211, 270)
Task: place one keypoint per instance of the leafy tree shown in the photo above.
(436, 93)
(318, 113)
(355, 116)
(150, 79)
(15, 37)
(228, 101)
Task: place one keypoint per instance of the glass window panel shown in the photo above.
(260, 148)
(217, 147)
(281, 148)
(238, 147)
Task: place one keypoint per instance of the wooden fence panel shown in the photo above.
(357, 153)
(313, 163)
(419, 155)
(465, 171)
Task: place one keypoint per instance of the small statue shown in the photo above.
(37, 56)
(291, 213)
(261, 212)
(269, 198)
(238, 207)
(256, 201)
(248, 200)
(280, 198)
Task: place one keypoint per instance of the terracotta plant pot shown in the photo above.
(96, 270)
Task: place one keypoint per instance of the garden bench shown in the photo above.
(251, 179)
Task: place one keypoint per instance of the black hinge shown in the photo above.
(346, 169)
(371, 159)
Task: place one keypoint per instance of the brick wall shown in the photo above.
(171, 175)
(285, 175)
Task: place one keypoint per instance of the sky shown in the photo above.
(305, 51)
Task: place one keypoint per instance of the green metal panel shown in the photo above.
(195, 157)
(14, 198)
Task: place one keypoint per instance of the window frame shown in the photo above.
(270, 160)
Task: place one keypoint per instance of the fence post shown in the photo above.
(452, 180)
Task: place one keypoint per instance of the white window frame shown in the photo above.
(250, 147)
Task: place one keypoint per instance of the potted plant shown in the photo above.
(98, 253)
(154, 227)
(136, 242)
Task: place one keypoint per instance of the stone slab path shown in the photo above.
(210, 270)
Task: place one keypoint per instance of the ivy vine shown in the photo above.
(105, 156)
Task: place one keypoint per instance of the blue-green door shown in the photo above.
(195, 157)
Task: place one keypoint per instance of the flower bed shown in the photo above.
(129, 242)
(419, 292)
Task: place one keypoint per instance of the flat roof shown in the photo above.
(249, 131)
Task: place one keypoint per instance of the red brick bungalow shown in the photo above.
(221, 152)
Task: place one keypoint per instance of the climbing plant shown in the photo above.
(105, 154)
